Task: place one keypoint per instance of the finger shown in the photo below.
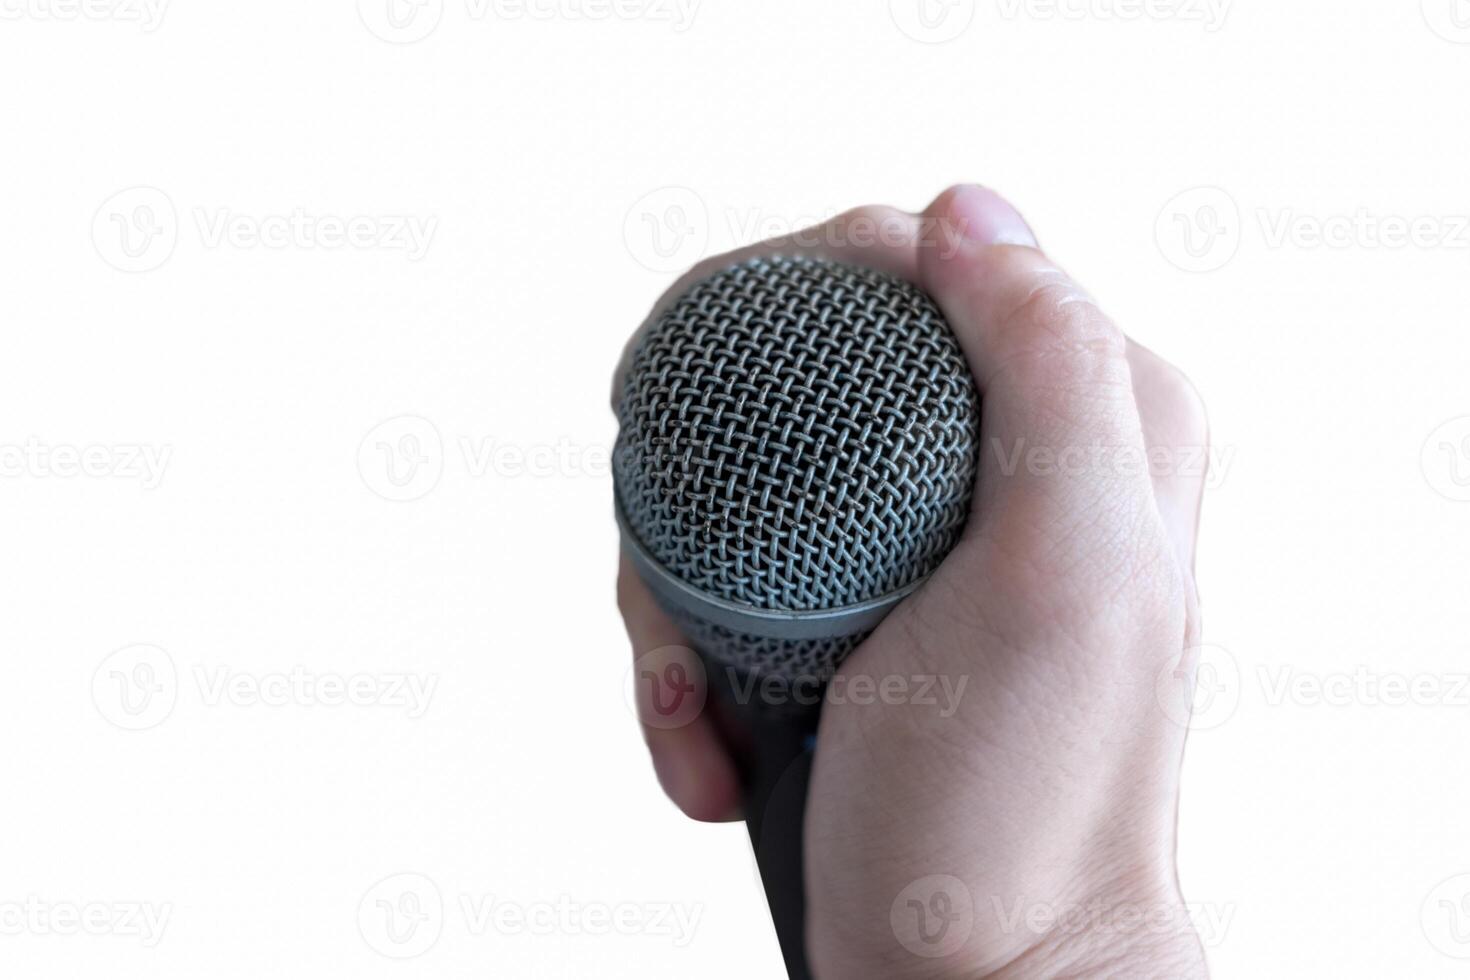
(689, 757)
(875, 236)
(1176, 431)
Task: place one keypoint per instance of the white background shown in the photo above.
(540, 153)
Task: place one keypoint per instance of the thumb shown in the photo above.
(1061, 438)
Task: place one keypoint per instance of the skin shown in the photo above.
(1053, 785)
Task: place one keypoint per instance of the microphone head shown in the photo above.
(796, 453)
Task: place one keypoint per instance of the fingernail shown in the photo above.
(980, 215)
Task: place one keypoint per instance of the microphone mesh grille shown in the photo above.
(797, 434)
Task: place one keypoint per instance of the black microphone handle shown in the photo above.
(772, 745)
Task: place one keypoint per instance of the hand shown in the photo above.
(1023, 827)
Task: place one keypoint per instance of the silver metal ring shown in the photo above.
(817, 624)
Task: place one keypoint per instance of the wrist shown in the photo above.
(1135, 925)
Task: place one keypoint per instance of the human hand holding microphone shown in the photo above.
(1051, 784)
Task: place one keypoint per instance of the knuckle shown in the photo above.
(1182, 402)
(872, 224)
(1054, 336)
(1170, 404)
(870, 213)
(1052, 312)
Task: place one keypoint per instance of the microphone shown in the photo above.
(797, 447)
